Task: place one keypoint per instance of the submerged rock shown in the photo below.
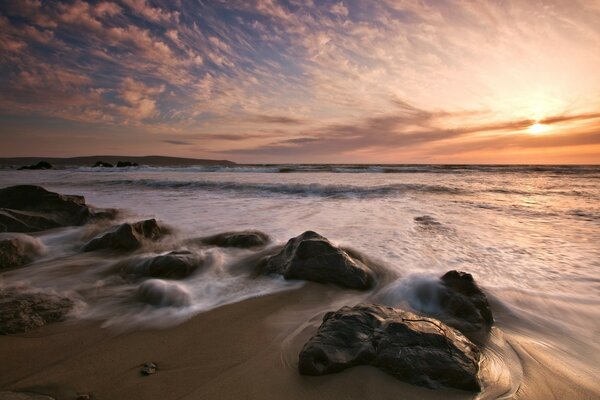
(17, 249)
(126, 237)
(163, 294)
(30, 208)
(243, 239)
(173, 265)
(102, 164)
(21, 311)
(39, 165)
(312, 257)
(414, 349)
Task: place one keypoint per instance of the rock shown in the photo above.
(23, 396)
(39, 165)
(126, 237)
(149, 368)
(122, 164)
(463, 305)
(21, 311)
(163, 294)
(102, 164)
(173, 265)
(83, 396)
(18, 249)
(29, 208)
(414, 349)
(243, 239)
(312, 257)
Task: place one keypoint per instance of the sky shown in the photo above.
(268, 81)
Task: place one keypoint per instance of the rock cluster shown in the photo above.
(126, 237)
(39, 165)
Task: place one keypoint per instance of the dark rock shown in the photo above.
(163, 294)
(312, 257)
(174, 265)
(122, 164)
(244, 239)
(21, 311)
(463, 305)
(83, 396)
(39, 165)
(102, 164)
(414, 349)
(18, 249)
(29, 208)
(126, 237)
(23, 396)
(149, 368)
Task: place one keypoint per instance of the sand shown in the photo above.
(246, 350)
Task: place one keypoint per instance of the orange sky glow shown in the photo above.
(268, 81)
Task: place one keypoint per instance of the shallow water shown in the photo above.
(529, 235)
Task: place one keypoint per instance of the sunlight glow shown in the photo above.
(538, 129)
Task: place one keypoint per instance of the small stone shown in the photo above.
(149, 368)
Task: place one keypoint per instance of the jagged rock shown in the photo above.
(312, 257)
(122, 164)
(102, 164)
(17, 249)
(39, 165)
(23, 396)
(126, 237)
(21, 311)
(29, 208)
(243, 239)
(163, 294)
(149, 368)
(414, 349)
(173, 265)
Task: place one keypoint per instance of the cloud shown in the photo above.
(177, 142)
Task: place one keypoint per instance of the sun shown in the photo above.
(538, 129)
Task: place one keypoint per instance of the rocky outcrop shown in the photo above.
(39, 165)
(126, 237)
(29, 208)
(161, 293)
(173, 265)
(243, 239)
(312, 257)
(102, 164)
(17, 249)
(414, 349)
(21, 311)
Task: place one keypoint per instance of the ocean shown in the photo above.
(530, 236)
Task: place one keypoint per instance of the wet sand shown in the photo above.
(246, 350)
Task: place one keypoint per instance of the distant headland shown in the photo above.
(89, 161)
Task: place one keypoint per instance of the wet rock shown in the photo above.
(23, 396)
(83, 396)
(463, 304)
(312, 257)
(160, 293)
(126, 237)
(18, 249)
(149, 368)
(243, 239)
(173, 265)
(414, 349)
(21, 311)
(122, 164)
(29, 208)
(102, 164)
(39, 165)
